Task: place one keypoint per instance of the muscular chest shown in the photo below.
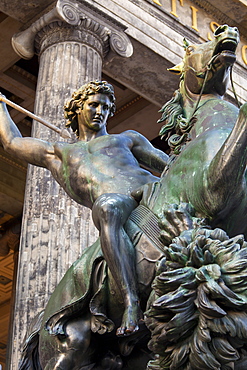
(84, 159)
(106, 146)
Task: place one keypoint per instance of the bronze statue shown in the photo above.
(98, 171)
(197, 314)
(196, 309)
(211, 169)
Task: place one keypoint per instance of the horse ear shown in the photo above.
(185, 43)
(178, 69)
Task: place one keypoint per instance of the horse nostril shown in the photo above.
(220, 30)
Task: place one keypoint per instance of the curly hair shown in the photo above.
(81, 95)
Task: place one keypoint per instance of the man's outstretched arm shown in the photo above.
(31, 150)
(146, 154)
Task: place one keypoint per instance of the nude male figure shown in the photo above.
(98, 171)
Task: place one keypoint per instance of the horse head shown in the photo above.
(209, 62)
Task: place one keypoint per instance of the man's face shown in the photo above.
(95, 112)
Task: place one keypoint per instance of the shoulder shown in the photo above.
(62, 148)
(132, 134)
(136, 137)
(59, 145)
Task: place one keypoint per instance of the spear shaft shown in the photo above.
(62, 132)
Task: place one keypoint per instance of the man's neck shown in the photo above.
(88, 135)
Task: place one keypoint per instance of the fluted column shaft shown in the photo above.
(71, 41)
(55, 229)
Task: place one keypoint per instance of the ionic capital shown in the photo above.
(73, 21)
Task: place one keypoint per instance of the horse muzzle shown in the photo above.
(227, 40)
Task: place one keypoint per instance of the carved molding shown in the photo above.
(219, 15)
(58, 32)
(210, 9)
(12, 163)
(70, 15)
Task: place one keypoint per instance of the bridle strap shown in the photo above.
(233, 89)
(209, 66)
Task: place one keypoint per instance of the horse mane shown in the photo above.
(177, 126)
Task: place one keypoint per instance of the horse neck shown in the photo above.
(190, 100)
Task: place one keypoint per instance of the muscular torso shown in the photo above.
(106, 164)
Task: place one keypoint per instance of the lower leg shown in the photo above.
(110, 214)
(120, 257)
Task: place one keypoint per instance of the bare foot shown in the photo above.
(130, 320)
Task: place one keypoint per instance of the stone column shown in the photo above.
(71, 41)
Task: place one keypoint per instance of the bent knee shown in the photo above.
(109, 207)
(106, 207)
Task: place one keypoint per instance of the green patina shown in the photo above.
(199, 297)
